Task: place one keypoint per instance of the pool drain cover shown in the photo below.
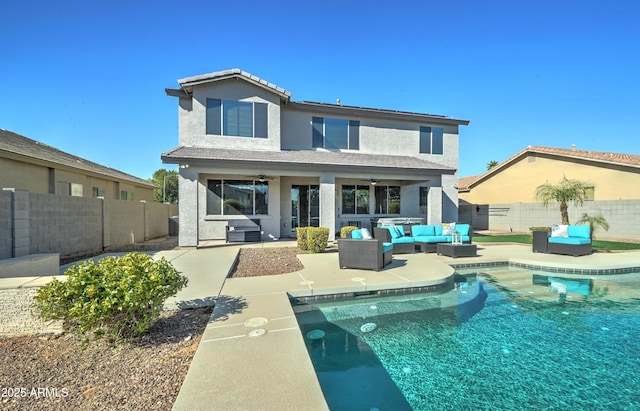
(368, 327)
(255, 322)
(258, 332)
(315, 334)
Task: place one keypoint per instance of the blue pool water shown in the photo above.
(503, 339)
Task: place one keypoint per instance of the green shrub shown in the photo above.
(541, 228)
(317, 239)
(346, 229)
(301, 238)
(116, 297)
(312, 239)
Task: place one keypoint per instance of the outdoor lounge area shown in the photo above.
(423, 237)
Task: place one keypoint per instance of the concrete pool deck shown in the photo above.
(252, 354)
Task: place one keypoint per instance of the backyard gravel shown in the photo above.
(43, 372)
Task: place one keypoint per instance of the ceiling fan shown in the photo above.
(260, 177)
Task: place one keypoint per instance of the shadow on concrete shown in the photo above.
(197, 303)
(226, 305)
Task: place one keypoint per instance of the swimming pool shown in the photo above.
(503, 338)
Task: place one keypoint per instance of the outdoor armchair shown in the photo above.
(364, 254)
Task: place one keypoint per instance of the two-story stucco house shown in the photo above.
(247, 154)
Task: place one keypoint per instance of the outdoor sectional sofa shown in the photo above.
(364, 253)
(424, 236)
(576, 242)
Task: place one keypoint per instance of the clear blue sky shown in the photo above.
(88, 77)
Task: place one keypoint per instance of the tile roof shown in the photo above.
(18, 144)
(319, 158)
(188, 82)
(630, 160)
(617, 158)
(374, 112)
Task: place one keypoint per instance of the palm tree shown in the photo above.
(594, 222)
(568, 190)
(491, 164)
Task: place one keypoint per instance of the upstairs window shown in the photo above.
(236, 118)
(335, 133)
(126, 195)
(431, 140)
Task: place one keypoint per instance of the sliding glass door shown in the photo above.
(305, 206)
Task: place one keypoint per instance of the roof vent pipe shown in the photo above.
(338, 101)
(573, 147)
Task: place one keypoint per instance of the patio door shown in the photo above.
(305, 206)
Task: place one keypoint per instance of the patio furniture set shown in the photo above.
(362, 250)
(572, 240)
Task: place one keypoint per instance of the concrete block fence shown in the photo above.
(622, 216)
(35, 223)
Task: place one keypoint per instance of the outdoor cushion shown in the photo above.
(402, 240)
(392, 230)
(366, 234)
(422, 230)
(399, 230)
(559, 230)
(448, 228)
(569, 240)
(463, 230)
(433, 239)
(438, 229)
(356, 234)
(386, 247)
(583, 231)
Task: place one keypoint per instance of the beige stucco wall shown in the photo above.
(34, 177)
(517, 182)
(16, 174)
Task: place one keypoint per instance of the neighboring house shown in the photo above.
(613, 176)
(38, 168)
(247, 154)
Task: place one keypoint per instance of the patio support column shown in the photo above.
(328, 204)
(434, 202)
(188, 210)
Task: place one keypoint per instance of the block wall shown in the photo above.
(39, 223)
(622, 216)
(6, 243)
(64, 224)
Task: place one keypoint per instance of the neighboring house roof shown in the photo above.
(463, 182)
(187, 83)
(628, 160)
(303, 158)
(23, 146)
(186, 90)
